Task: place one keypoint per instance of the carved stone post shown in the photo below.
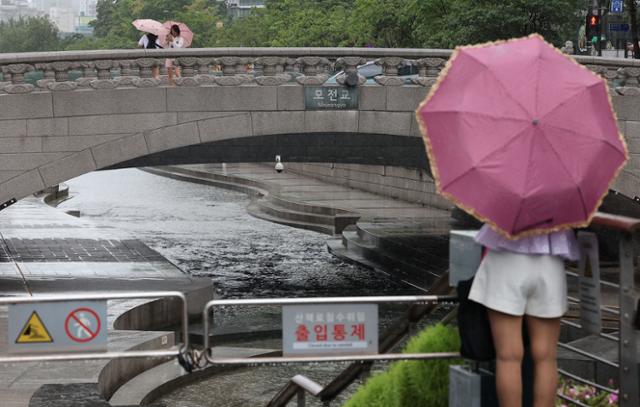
(14, 73)
(61, 69)
(350, 67)
(128, 68)
(630, 81)
(88, 74)
(389, 75)
(48, 75)
(272, 68)
(146, 79)
(229, 71)
(104, 68)
(428, 70)
(228, 65)
(145, 65)
(313, 69)
(203, 65)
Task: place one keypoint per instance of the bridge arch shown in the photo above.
(115, 114)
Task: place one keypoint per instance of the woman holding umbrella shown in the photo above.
(525, 139)
(151, 39)
(179, 36)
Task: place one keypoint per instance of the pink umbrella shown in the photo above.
(148, 25)
(185, 32)
(521, 136)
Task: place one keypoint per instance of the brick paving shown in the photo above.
(76, 250)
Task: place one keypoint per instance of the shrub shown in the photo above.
(413, 383)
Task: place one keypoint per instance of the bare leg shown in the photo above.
(170, 73)
(155, 72)
(507, 337)
(544, 334)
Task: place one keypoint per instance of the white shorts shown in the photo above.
(518, 284)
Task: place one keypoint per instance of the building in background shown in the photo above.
(242, 8)
(14, 9)
(70, 16)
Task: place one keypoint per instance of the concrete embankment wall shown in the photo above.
(409, 184)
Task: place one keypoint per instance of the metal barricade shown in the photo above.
(627, 366)
(424, 299)
(180, 351)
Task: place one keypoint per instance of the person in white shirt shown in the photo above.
(150, 41)
(175, 41)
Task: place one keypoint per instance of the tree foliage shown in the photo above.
(28, 34)
(318, 23)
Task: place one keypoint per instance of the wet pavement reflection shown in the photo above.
(207, 232)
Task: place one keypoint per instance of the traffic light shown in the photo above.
(592, 26)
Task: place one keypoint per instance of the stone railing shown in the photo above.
(65, 71)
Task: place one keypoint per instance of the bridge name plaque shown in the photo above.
(330, 98)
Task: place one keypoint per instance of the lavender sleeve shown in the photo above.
(563, 243)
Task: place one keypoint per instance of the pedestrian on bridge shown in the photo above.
(174, 40)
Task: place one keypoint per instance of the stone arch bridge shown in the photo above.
(64, 114)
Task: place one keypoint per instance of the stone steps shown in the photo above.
(318, 218)
(258, 211)
(169, 376)
(268, 204)
(405, 256)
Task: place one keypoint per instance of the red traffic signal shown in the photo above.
(593, 21)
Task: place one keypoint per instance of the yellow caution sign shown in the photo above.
(34, 331)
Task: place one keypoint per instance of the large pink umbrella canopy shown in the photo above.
(185, 32)
(148, 25)
(522, 136)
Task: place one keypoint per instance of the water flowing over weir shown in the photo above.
(207, 232)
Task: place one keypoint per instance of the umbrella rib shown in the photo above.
(450, 111)
(502, 85)
(582, 135)
(479, 162)
(558, 156)
(568, 99)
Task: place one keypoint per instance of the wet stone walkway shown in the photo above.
(76, 250)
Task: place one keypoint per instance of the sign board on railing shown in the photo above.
(589, 272)
(57, 327)
(329, 329)
(330, 98)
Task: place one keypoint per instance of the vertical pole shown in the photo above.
(599, 30)
(628, 352)
(301, 398)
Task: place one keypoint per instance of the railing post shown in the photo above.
(301, 398)
(628, 352)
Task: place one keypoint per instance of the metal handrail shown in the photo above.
(578, 326)
(604, 308)
(420, 299)
(587, 382)
(602, 282)
(629, 394)
(60, 356)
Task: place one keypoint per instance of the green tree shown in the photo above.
(488, 20)
(383, 23)
(201, 17)
(28, 34)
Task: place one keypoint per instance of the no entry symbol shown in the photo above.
(82, 325)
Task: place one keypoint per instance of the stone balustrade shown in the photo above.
(240, 66)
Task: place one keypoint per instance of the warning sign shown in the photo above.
(57, 327)
(34, 331)
(82, 325)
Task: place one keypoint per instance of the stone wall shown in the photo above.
(409, 184)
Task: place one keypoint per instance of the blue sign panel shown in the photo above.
(619, 27)
(617, 6)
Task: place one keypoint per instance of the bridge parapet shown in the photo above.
(239, 66)
(206, 67)
(98, 109)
